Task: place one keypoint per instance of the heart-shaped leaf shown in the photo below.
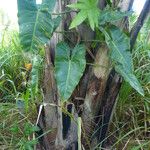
(69, 67)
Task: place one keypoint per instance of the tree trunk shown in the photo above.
(94, 98)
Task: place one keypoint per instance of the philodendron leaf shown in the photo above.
(119, 45)
(69, 67)
(35, 23)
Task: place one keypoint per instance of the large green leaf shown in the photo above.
(69, 67)
(35, 23)
(119, 45)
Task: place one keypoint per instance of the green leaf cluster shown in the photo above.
(37, 26)
(88, 10)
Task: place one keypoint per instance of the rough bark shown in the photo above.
(100, 96)
(95, 90)
(49, 119)
(106, 109)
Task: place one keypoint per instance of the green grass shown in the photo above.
(16, 130)
(17, 112)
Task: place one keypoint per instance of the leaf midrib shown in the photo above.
(68, 75)
(34, 29)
